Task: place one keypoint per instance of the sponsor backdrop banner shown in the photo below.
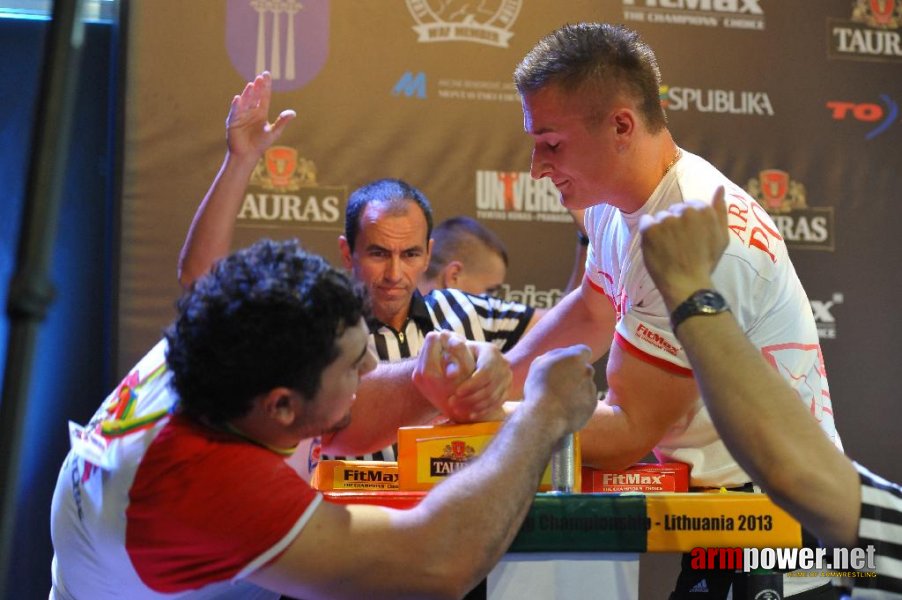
(798, 102)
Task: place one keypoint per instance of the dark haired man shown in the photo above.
(194, 497)
(386, 246)
(590, 96)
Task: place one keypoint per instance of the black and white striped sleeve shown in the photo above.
(880, 526)
(480, 318)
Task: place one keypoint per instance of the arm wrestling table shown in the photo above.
(577, 546)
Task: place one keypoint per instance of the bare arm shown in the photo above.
(386, 400)
(758, 415)
(416, 391)
(248, 135)
(642, 403)
(365, 551)
(584, 316)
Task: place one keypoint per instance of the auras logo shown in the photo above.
(881, 117)
(734, 102)
(283, 192)
(871, 34)
(736, 14)
(785, 200)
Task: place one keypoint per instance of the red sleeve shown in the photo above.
(205, 507)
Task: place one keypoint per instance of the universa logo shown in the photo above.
(516, 196)
(411, 85)
(486, 22)
(737, 14)
(288, 38)
(871, 34)
(866, 112)
(674, 98)
(801, 226)
(823, 315)
(287, 194)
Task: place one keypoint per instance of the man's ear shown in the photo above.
(624, 121)
(345, 250)
(282, 404)
(450, 275)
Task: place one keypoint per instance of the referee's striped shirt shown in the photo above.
(477, 318)
(880, 526)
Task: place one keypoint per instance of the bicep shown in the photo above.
(652, 397)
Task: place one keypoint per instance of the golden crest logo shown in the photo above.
(785, 200)
(287, 194)
(455, 456)
(487, 22)
(871, 34)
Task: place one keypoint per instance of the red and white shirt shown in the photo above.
(153, 505)
(756, 278)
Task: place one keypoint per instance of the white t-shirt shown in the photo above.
(756, 278)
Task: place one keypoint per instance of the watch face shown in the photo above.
(710, 302)
(702, 302)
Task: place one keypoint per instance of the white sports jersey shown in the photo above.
(150, 504)
(756, 278)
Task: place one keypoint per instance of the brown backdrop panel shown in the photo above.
(796, 101)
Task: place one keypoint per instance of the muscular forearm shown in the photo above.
(386, 400)
(480, 509)
(575, 320)
(210, 235)
(611, 441)
(769, 431)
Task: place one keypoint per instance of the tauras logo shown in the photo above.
(516, 196)
(801, 226)
(287, 192)
(455, 456)
(871, 34)
(733, 102)
(485, 22)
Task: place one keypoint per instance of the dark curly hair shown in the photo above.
(600, 58)
(267, 316)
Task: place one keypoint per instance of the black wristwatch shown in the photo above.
(582, 238)
(702, 302)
